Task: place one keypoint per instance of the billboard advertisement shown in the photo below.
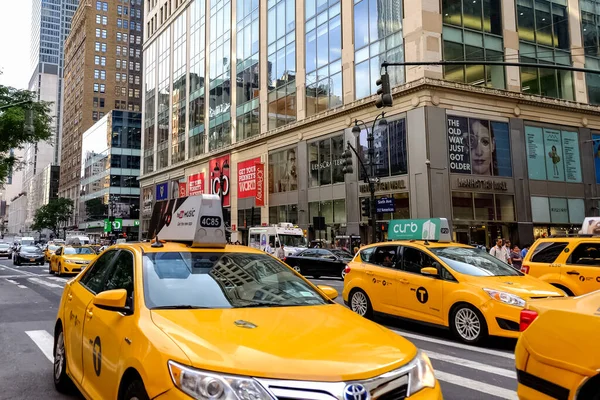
(214, 181)
(552, 154)
(196, 184)
(247, 178)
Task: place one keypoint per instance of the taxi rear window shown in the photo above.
(222, 280)
(547, 252)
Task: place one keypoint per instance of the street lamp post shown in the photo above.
(370, 177)
(221, 172)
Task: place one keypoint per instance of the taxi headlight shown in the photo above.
(207, 385)
(421, 374)
(506, 298)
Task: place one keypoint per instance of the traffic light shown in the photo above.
(384, 91)
(365, 206)
(347, 162)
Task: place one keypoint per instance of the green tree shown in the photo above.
(51, 215)
(22, 120)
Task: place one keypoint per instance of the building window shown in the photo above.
(197, 76)
(282, 171)
(104, 20)
(390, 155)
(103, 61)
(543, 28)
(334, 213)
(98, 19)
(557, 210)
(552, 154)
(103, 47)
(377, 22)
(483, 207)
(325, 161)
(101, 102)
(102, 88)
(96, 87)
(281, 39)
(103, 33)
(118, 63)
(478, 147)
(97, 60)
(98, 31)
(590, 26)
(103, 75)
(99, 5)
(277, 214)
(323, 56)
(96, 74)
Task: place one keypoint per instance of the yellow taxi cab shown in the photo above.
(558, 353)
(439, 282)
(70, 259)
(50, 250)
(571, 263)
(188, 316)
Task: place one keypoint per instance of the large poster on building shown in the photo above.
(218, 182)
(478, 146)
(553, 154)
(596, 141)
(196, 184)
(247, 178)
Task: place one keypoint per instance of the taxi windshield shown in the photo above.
(472, 261)
(292, 240)
(78, 250)
(53, 247)
(222, 280)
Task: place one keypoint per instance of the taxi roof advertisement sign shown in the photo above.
(436, 229)
(196, 219)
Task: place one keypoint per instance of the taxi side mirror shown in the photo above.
(330, 292)
(112, 300)
(431, 271)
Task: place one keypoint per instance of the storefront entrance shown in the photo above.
(483, 233)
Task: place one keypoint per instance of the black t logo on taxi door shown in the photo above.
(422, 295)
(97, 353)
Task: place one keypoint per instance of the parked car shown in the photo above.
(29, 255)
(320, 262)
(5, 250)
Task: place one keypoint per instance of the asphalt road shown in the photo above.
(29, 298)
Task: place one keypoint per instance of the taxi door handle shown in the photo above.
(404, 281)
(572, 273)
(89, 314)
(69, 297)
(370, 273)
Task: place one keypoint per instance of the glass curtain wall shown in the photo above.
(473, 32)
(544, 39)
(220, 75)
(247, 82)
(377, 38)
(197, 75)
(323, 55)
(150, 108)
(179, 89)
(164, 88)
(590, 27)
(325, 161)
(281, 66)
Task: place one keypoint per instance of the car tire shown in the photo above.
(136, 391)
(62, 382)
(468, 324)
(343, 273)
(16, 262)
(360, 303)
(50, 269)
(59, 271)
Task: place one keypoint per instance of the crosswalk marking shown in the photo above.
(57, 279)
(13, 282)
(471, 364)
(45, 283)
(454, 344)
(476, 385)
(44, 341)
(22, 286)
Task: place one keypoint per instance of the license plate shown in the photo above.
(32, 259)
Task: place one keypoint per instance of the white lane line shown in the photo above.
(456, 345)
(11, 281)
(43, 282)
(15, 276)
(23, 286)
(20, 272)
(471, 364)
(57, 279)
(476, 385)
(44, 341)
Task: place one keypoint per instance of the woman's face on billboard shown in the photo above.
(482, 149)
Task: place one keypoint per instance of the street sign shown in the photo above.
(419, 229)
(136, 222)
(116, 225)
(386, 205)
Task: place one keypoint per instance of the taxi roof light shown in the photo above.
(197, 220)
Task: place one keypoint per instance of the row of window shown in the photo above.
(133, 79)
(132, 52)
(124, 24)
(100, 47)
(122, 91)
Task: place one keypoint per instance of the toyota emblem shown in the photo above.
(356, 391)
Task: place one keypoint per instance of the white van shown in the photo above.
(291, 236)
(27, 241)
(78, 240)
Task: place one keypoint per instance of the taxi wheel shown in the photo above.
(136, 391)
(468, 324)
(360, 303)
(61, 380)
(50, 269)
(59, 270)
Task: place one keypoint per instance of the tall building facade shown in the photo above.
(103, 71)
(499, 151)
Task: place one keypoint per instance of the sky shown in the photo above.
(15, 31)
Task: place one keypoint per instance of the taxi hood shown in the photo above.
(524, 286)
(323, 343)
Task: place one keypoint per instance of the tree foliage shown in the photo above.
(13, 126)
(51, 215)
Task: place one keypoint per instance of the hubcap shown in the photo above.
(343, 274)
(359, 303)
(296, 268)
(59, 357)
(467, 324)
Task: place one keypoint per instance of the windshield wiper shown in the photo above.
(179, 307)
(259, 304)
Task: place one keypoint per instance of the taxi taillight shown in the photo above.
(527, 317)
(347, 269)
(525, 268)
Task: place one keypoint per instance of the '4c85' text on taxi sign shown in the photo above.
(419, 229)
